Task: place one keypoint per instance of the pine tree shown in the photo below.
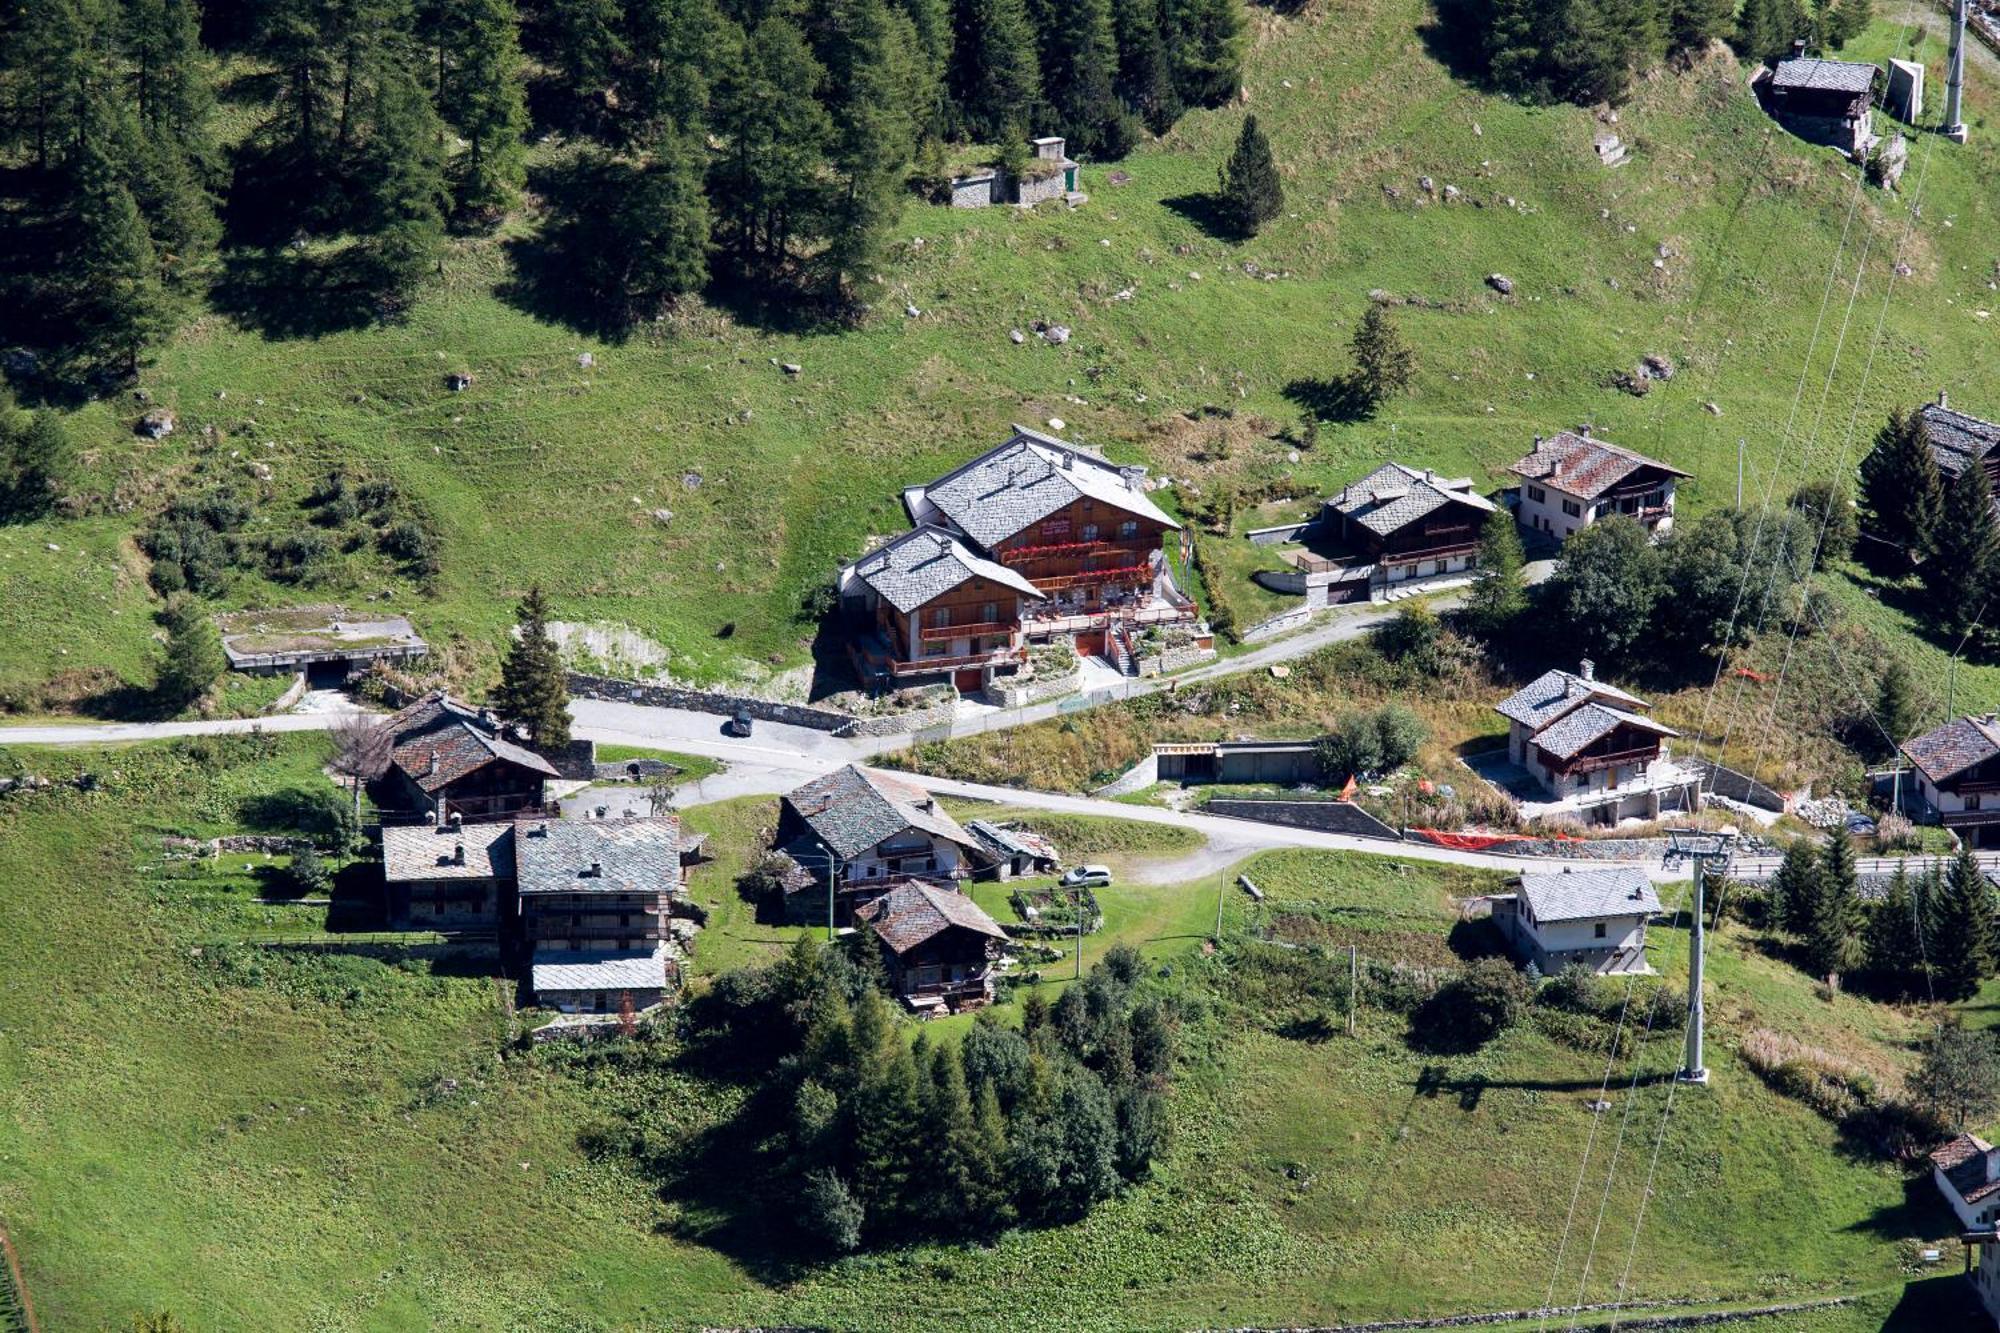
(171, 82)
(995, 79)
(1961, 938)
(1383, 363)
(1796, 890)
(1766, 29)
(481, 95)
(117, 304)
(1206, 40)
(872, 75)
(1901, 491)
(765, 184)
(585, 44)
(1895, 948)
(1692, 24)
(1965, 551)
(193, 658)
(1251, 193)
(1079, 59)
(533, 690)
(35, 455)
(1834, 944)
(1502, 594)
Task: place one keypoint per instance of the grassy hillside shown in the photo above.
(548, 470)
(266, 1137)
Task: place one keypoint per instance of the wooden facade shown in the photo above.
(975, 625)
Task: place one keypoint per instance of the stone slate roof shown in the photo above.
(1965, 1163)
(425, 852)
(1002, 842)
(600, 971)
(854, 808)
(1394, 496)
(1832, 76)
(1957, 438)
(1958, 1151)
(927, 562)
(913, 912)
(1023, 481)
(1570, 733)
(1584, 895)
(1582, 465)
(1554, 693)
(1954, 747)
(461, 749)
(632, 855)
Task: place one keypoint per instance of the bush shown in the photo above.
(1576, 988)
(298, 556)
(1473, 1008)
(309, 873)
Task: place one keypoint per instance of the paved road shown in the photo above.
(115, 733)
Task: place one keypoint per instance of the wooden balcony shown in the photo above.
(924, 665)
(1130, 574)
(983, 630)
(1073, 551)
(1591, 763)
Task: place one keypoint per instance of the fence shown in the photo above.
(17, 1312)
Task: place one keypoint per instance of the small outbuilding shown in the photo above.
(1049, 174)
(1007, 851)
(1594, 917)
(1824, 101)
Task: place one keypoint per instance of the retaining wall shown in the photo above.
(1034, 690)
(1321, 816)
(1278, 624)
(293, 693)
(831, 720)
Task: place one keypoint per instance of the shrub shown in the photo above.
(308, 870)
(1576, 988)
(297, 556)
(1473, 1008)
(1896, 833)
(413, 543)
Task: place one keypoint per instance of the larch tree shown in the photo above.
(1206, 40)
(1961, 938)
(534, 693)
(193, 655)
(1145, 70)
(1079, 60)
(1896, 701)
(765, 184)
(117, 304)
(995, 73)
(1501, 594)
(1251, 193)
(670, 46)
(873, 75)
(401, 180)
(481, 94)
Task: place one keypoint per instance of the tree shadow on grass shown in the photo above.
(1205, 210)
(283, 294)
(1340, 399)
(542, 282)
(1932, 1303)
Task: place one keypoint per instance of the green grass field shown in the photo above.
(544, 470)
(263, 1137)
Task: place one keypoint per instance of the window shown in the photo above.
(937, 648)
(988, 613)
(1573, 509)
(1089, 533)
(1582, 781)
(1972, 802)
(1599, 932)
(1129, 528)
(1538, 495)
(941, 616)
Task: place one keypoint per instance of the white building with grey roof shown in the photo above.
(1592, 748)
(1588, 916)
(864, 828)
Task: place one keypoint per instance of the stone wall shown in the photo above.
(290, 698)
(1005, 693)
(1136, 778)
(1320, 816)
(1173, 659)
(583, 685)
(1742, 787)
(1278, 624)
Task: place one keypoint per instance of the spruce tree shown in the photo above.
(668, 235)
(35, 455)
(117, 304)
(1961, 940)
(1834, 944)
(172, 86)
(1901, 491)
(585, 44)
(1964, 552)
(1502, 594)
(1145, 70)
(481, 95)
(1206, 39)
(995, 72)
(1895, 948)
(51, 58)
(1896, 702)
(401, 181)
(670, 48)
(193, 656)
(931, 23)
(765, 184)
(1692, 24)
(1251, 193)
(872, 74)
(1766, 29)
(534, 692)
(1079, 59)
(1383, 363)
(1796, 889)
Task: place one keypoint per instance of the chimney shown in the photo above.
(434, 763)
(457, 819)
(458, 855)
(431, 818)
(1798, 48)
(1589, 669)
(597, 870)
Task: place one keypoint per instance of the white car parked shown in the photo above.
(1087, 877)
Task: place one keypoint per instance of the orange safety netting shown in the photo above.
(1748, 674)
(1467, 842)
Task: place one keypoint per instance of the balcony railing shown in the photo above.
(1591, 763)
(983, 629)
(1069, 550)
(1128, 573)
(1957, 818)
(918, 666)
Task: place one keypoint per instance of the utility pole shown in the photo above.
(832, 880)
(1080, 909)
(1705, 850)
(1954, 78)
(1739, 472)
(1221, 891)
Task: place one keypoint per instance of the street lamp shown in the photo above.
(832, 879)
